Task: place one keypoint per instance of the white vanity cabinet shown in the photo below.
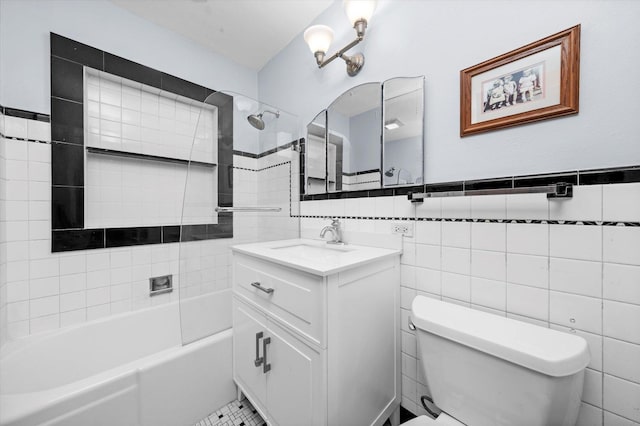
(317, 347)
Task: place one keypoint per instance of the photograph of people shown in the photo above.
(522, 86)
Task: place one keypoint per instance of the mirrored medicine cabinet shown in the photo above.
(370, 137)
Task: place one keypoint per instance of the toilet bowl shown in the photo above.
(487, 370)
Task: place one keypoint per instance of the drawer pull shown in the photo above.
(258, 361)
(259, 287)
(266, 367)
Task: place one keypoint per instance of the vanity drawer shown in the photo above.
(294, 297)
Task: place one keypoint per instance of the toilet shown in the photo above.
(486, 370)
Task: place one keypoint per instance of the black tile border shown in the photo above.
(20, 113)
(67, 130)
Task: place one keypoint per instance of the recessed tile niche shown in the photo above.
(138, 140)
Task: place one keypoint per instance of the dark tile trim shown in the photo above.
(606, 176)
(268, 152)
(364, 172)
(67, 57)
(136, 155)
(28, 115)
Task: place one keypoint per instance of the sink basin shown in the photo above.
(314, 256)
(312, 251)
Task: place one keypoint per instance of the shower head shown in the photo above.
(389, 172)
(256, 119)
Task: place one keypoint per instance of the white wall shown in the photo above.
(438, 38)
(24, 43)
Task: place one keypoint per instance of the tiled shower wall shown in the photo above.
(40, 290)
(500, 254)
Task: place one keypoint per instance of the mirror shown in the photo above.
(370, 137)
(403, 150)
(315, 156)
(353, 143)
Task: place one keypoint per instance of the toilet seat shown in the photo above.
(442, 420)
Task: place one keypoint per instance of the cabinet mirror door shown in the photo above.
(315, 156)
(354, 139)
(403, 149)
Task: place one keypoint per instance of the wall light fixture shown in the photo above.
(319, 37)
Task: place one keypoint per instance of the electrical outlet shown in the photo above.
(404, 228)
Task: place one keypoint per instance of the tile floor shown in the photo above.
(235, 413)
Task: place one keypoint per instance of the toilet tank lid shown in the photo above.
(547, 351)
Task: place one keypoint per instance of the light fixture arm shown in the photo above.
(355, 62)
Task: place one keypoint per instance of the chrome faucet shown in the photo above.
(336, 231)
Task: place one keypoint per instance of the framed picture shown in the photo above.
(532, 83)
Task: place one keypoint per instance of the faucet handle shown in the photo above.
(335, 221)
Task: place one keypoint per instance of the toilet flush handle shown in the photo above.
(412, 327)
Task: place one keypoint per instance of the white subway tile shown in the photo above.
(408, 276)
(488, 264)
(622, 359)
(17, 291)
(574, 311)
(17, 251)
(15, 150)
(44, 306)
(576, 242)
(43, 268)
(589, 415)
(17, 311)
(456, 207)
(621, 321)
(622, 397)
(73, 264)
(457, 260)
(528, 301)
(527, 206)
(98, 296)
(430, 207)
(39, 153)
(488, 236)
(621, 244)
(73, 317)
(621, 202)
(428, 256)
(17, 271)
(429, 280)
(15, 127)
(576, 276)
(39, 210)
(16, 210)
(408, 256)
(456, 286)
(44, 287)
(611, 419)
(428, 232)
(489, 207)
(73, 283)
(38, 130)
(73, 301)
(528, 270)
(99, 260)
(489, 293)
(406, 297)
(40, 172)
(456, 234)
(18, 190)
(592, 389)
(44, 323)
(621, 283)
(40, 191)
(586, 204)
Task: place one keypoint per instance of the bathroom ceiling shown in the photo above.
(249, 32)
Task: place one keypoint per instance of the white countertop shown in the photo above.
(315, 256)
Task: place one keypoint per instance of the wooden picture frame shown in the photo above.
(535, 82)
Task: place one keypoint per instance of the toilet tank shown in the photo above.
(487, 370)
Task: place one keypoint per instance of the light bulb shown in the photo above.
(357, 10)
(319, 38)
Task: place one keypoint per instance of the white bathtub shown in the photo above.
(129, 369)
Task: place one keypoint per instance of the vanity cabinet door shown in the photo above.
(294, 381)
(249, 332)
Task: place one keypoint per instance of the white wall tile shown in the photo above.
(527, 206)
(456, 234)
(44, 323)
(408, 276)
(456, 207)
(528, 301)
(428, 256)
(73, 301)
(42, 268)
(44, 287)
(489, 293)
(73, 264)
(622, 397)
(586, 204)
(428, 232)
(488, 236)
(589, 415)
(489, 207)
(528, 270)
(621, 244)
(581, 312)
(576, 242)
(621, 202)
(430, 207)
(429, 280)
(576, 276)
(456, 260)
(611, 419)
(621, 321)
(488, 264)
(621, 283)
(592, 388)
(456, 286)
(44, 306)
(622, 359)
(15, 127)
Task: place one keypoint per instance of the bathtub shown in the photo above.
(129, 369)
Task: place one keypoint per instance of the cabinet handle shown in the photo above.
(258, 361)
(266, 367)
(257, 285)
